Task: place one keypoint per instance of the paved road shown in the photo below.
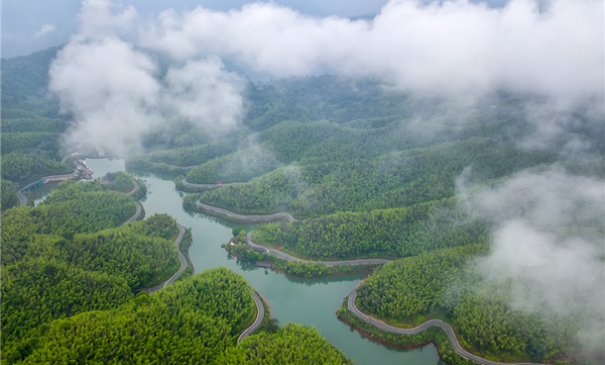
(207, 186)
(259, 318)
(22, 198)
(178, 167)
(135, 187)
(426, 325)
(285, 256)
(45, 179)
(248, 218)
(260, 315)
(135, 216)
(182, 258)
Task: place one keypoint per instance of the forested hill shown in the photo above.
(367, 171)
(24, 85)
(72, 277)
(372, 173)
(71, 281)
(31, 124)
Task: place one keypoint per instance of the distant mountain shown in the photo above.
(24, 83)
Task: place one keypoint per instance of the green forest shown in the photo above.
(397, 232)
(347, 157)
(194, 321)
(31, 122)
(441, 284)
(67, 256)
(366, 183)
(72, 285)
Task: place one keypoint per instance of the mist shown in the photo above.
(547, 241)
(455, 50)
(550, 53)
(117, 92)
(451, 47)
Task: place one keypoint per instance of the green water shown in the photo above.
(311, 302)
(41, 192)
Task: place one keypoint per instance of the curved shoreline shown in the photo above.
(421, 328)
(288, 257)
(136, 215)
(176, 166)
(205, 186)
(135, 187)
(182, 259)
(260, 315)
(23, 199)
(139, 209)
(247, 218)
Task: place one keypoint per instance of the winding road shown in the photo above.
(424, 326)
(136, 215)
(351, 302)
(139, 209)
(182, 258)
(285, 256)
(135, 187)
(248, 218)
(260, 314)
(177, 166)
(23, 198)
(44, 180)
(206, 186)
(259, 318)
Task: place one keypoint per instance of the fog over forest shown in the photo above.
(123, 75)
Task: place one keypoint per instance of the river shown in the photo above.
(312, 302)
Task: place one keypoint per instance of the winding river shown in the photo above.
(311, 302)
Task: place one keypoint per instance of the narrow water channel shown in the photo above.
(312, 302)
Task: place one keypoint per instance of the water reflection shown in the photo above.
(325, 280)
(310, 301)
(41, 192)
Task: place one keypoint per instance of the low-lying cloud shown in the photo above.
(116, 90)
(544, 237)
(455, 50)
(202, 92)
(44, 30)
(111, 90)
(547, 240)
(449, 47)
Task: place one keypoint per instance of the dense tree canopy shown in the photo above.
(293, 344)
(372, 172)
(65, 256)
(443, 284)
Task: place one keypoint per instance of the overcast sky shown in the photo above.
(33, 25)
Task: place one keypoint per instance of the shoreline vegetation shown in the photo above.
(347, 155)
(182, 241)
(300, 269)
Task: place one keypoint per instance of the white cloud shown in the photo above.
(44, 30)
(453, 47)
(547, 243)
(111, 90)
(203, 93)
(115, 92)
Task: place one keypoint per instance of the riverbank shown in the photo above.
(308, 301)
(236, 217)
(298, 269)
(434, 331)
